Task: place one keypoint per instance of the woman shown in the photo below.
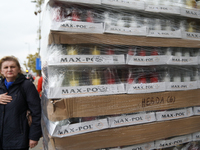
(17, 95)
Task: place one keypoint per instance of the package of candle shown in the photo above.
(74, 18)
(74, 126)
(145, 80)
(182, 78)
(77, 81)
(182, 56)
(147, 56)
(86, 54)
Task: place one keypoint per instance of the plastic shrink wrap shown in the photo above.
(120, 74)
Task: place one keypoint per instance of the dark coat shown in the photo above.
(14, 129)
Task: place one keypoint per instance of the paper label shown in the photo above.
(132, 4)
(177, 86)
(165, 34)
(193, 13)
(147, 60)
(86, 59)
(79, 128)
(85, 1)
(142, 31)
(198, 84)
(196, 110)
(191, 35)
(163, 9)
(78, 26)
(174, 60)
(196, 136)
(146, 146)
(145, 87)
(131, 119)
(174, 114)
(173, 141)
(80, 91)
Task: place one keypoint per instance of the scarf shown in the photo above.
(8, 84)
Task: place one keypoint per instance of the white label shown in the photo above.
(131, 119)
(176, 114)
(198, 84)
(174, 60)
(145, 87)
(196, 136)
(132, 4)
(79, 128)
(85, 1)
(193, 13)
(196, 110)
(163, 9)
(142, 31)
(191, 35)
(165, 34)
(78, 26)
(79, 91)
(173, 141)
(86, 59)
(177, 86)
(147, 60)
(146, 146)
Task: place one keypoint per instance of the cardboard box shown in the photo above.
(128, 135)
(56, 37)
(120, 104)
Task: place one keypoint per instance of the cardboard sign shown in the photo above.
(147, 60)
(77, 26)
(173, 141)
(174, 114)
(196, 136)
(80, 128)
(165, 34)
(192, 13)
(127, 120)
(85, 1)
(163, 9)
(145, 87)
(146, 146)
(174, 60)
(191, 35)
(142, 31)
(177, 86)
(90, 90)
(86, 60)
(131, 4)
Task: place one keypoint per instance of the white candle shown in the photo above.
(168, 51)
(186, 79)
(187, 53)
(107, 20)
(178, 52)
(133, 23)
(120, 22)
(157, 25)
(177, 79)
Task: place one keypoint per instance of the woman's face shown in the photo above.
(10, 70)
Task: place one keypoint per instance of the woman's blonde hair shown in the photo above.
(10, 58)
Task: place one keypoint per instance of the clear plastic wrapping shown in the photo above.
(121, 74)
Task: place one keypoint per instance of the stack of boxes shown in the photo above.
(119, 73)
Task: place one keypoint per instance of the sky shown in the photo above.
(18, 29)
